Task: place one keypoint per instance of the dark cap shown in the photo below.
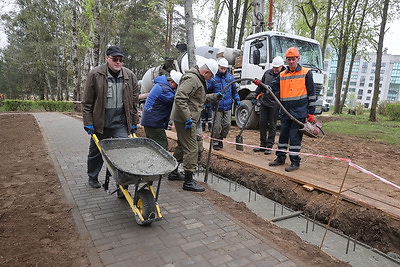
(114, 51)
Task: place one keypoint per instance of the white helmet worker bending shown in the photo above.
(176, 76)
(209, 69)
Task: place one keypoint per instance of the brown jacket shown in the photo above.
(95, 97)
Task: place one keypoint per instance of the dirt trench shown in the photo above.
(368, 225)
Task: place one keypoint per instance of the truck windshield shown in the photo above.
(310, 53)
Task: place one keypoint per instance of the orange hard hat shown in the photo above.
(292, 52)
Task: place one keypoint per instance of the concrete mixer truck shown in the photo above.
(258, 52)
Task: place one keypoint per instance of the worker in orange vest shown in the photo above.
(295, 89)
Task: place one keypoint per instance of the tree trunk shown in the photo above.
(229, 30)
(235, 22)
(218, 8)
(96, 34)
(354, 41)
(311, 23)
(375, 98)
(327, 26)
(75, 61)
(243, 23)
(190, 33)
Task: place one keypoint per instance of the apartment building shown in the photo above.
(361, 86)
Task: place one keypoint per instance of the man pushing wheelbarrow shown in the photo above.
(110, 115)
(109, 107)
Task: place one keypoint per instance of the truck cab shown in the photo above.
(258, 52)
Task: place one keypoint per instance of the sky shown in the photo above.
(391, 41)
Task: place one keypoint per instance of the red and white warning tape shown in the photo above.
(318, 156)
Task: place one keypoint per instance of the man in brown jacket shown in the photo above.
(188, 104)
(109, 106)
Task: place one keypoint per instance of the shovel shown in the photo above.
(239, 137)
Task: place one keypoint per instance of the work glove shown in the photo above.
(254, 101)
(188, 124)
(238, 102)
(133, 129)
(219, 96)
(310, 118)
(256, 81)
(89, 129)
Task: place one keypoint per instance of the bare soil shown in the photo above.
(37, 228)
(365, 223)
(36, 223)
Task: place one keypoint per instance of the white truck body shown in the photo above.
(252, 65)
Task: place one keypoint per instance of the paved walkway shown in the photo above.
(193, 231)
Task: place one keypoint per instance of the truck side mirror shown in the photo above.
(256, 57)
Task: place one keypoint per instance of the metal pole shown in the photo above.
(334, 207)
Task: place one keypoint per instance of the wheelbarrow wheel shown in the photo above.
(146, 204)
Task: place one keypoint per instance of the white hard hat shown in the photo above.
(212, 65)
(175, 76)
(277, 62)
(223, 62)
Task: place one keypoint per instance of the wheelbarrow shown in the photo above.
(136, 161)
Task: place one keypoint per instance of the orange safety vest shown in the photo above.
(293, 85)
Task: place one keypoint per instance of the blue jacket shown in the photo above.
(217, 84)
(158, 105)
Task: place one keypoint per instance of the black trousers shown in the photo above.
(267, 121)
(94, 159)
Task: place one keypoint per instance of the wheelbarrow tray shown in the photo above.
(136, 160)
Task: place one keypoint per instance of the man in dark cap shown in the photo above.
(109, 105)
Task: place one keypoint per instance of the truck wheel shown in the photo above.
(242, 112)
(146, 204)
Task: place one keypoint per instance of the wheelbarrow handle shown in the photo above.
(96, 141)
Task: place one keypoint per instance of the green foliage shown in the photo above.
(17, 105)
(393, 111)
(359, 109)
(60, 106)
(382, 108)
(29, 105)
(383, 130)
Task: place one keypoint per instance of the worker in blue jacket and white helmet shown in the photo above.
(222, 117)
(158, 106)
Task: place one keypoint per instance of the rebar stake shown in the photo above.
(335, 206)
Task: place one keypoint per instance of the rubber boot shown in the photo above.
(190, 184)
(175, 176)
(94, 182)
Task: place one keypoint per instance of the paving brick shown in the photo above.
(193, 231)
(217, 261)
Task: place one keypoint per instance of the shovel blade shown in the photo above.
(239, 139)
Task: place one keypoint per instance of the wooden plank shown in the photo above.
(351, 193)
(378, 197)
(369, 202)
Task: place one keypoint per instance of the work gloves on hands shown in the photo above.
(238, 102)
(219, 96)
(188, 124)
(89, 129)
(133, 129)
(310, 118)
(254, 101)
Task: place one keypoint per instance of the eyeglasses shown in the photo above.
(117, 59)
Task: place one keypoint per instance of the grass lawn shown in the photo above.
(383, 129)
